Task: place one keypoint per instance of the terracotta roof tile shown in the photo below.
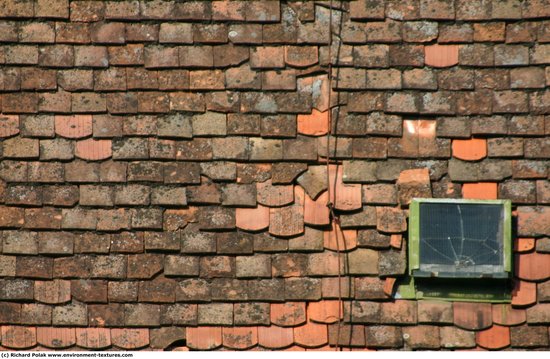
(539, 314)
(533, 266)
(524, 293)
(524, 245)
(316, 211)
(346, 197)
(56, 337)
(330, 288)
(75, 126)
(340, 239)
(130, 338)
(470, 150)
(288, 314)
(422, 337)
(288, 221)
(252, 219)
(441, 55)
(93, 338)
(389, 284)
(203, 338)
(314, 124)
(496, 337)
(346, 335)
(16, 337)
(9, 125)
(275, 337)
(505, 314)
(325, 311)
(240, 337)
(93, 150)
(274, 196)
(311, 335)
(480, 190)
(399, 312)
(472, 316)
(396, 240)
(56, 291)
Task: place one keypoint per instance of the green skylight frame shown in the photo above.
(461, 287)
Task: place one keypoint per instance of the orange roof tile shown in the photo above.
(533, 266)
(339, 239)
(314, 124)
(17, 337)
(524, 293)
(472, 316)
(496, 337)
(93, 150)
(441, 55)
(325, 311)
(240, 337)
(470, 150)
(316, 211)
(93, 338)
(389, 283)
(480, 190)
(204, 338)
(396, 240)
(523, 245)
(288, 314)
(130, 338)
(345, 197)
(75, 126)
(504, 314)
(9, 125)
(55, 337)
(252, 219)
(311, 335)
(275, 337)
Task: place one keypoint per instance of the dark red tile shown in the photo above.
(472, 316)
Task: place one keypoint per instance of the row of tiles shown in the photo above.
(310, 336)
(270, 11)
